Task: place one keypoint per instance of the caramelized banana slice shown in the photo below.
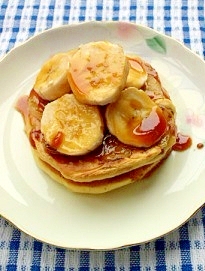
(70, 127)
(98, 72)
(135, 119)
(51, 82)
(137, 75)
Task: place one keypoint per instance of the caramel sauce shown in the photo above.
(38, 102)
(135, 65)
(38, 105)
(22, 106)
(57, 140)
(112, 148)
(35, 135)
(200, 145)
(151, 128)
(183, 142)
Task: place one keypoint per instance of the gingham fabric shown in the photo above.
(182, 249)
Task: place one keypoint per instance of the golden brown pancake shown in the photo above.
(113, 164)
(100, 186)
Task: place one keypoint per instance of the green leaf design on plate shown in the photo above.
(157, 44)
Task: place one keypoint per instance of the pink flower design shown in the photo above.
(197, 120)
(126, 30)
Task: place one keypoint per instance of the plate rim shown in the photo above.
(100, 23)
(92, 22)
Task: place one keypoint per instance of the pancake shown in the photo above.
(111, 165)
(99, 186)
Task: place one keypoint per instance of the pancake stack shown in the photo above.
(98, 119)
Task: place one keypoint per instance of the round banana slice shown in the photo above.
(137, 75)
(51, 82)
(135, 119)
(70, 127)
(98, 72)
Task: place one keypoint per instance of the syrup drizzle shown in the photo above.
(151, 129)
(183, 142)
(57, 140)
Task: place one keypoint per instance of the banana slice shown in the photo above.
(51, 82)
(98, 72)
(135, 119)
(70, 127)
(137, 75)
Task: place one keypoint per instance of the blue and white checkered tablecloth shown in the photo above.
(182, 249)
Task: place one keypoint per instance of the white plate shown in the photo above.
(131, 215)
